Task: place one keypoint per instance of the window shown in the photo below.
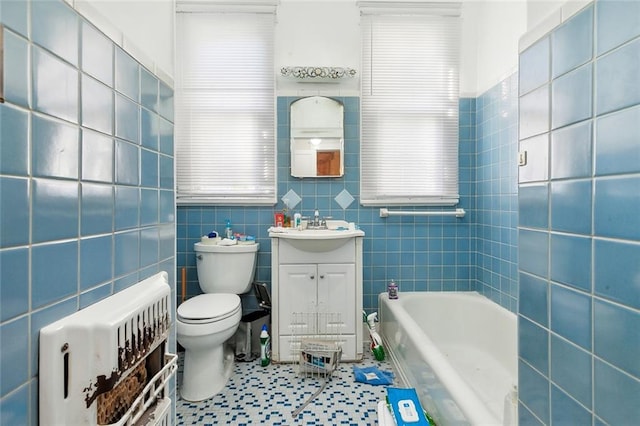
(225, 106)
(409, 104)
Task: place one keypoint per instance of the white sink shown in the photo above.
(315, 240)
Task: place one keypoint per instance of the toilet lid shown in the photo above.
(209, 307)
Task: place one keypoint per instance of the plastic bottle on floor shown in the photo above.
(265, 347)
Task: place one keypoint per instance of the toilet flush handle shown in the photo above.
(199, 257)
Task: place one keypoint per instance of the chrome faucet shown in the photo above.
(317, 222)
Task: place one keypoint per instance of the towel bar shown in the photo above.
(457, 213)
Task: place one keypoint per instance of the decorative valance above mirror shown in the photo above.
(317, 137)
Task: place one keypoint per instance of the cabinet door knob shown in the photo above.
(321, 277)
(313, 277)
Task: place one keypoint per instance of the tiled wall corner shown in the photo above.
(496, 193)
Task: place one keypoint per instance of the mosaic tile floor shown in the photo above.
(269, 395)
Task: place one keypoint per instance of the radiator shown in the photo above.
(107, 364)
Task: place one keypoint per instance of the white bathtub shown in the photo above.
(459, 350)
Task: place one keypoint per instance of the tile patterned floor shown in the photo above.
(269, 395)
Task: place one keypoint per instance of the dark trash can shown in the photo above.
(247, 338)
(248, 335)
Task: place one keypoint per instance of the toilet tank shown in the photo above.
(226, 269)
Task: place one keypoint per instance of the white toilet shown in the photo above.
(205, 322)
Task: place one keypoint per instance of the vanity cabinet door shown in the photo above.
(336, 294)
(297, 294)
(316, 300)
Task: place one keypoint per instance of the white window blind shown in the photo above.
(225, 108)
(409, 105)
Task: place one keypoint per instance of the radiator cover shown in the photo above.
(90, 351)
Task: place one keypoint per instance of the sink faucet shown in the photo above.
(317, 222)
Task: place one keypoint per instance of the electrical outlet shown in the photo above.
(522, 158)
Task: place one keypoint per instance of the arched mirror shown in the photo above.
(317, 137)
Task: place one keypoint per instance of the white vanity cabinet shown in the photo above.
(314, 293)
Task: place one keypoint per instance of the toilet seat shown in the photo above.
(208, 308)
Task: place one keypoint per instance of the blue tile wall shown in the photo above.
(533, 391)
(14, 201)
(564, 410)
(614, 203)
(98, 98)
(15, 16)
(97, 54)
(534, 111)
(534, 298)
(609, 337)
(55, 147)
(572, 44)
(14, 364)
(96, 261)
(496, 192)
(569, 199)
(616, 271)
(16, 52)
(571, 260)
(59, 99)
(15, 149)
(96, 209)
(55, 210)
(617, 135)
(533, 252)
(571, 369)
(54, 26)
(614, 394)
(127, 74)
(15, 297)
(83, 211)
(617, 23)
(570, 151)
(97, 157)
(534, 66)
(533, 205)
(579, 273)
(571, 97)
(565, 306)
(532, 341)
(616, 93)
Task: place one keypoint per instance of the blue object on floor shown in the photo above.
(406, 407)
(373, 375)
